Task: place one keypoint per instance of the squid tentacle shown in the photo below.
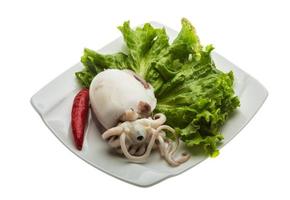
(165, 127)
(165, 152)
(129, 115)
(114, 141)
(161, 146)
(116, 131)
(169, 148)
(133, 149)
(137, 159)
(141, 150)
(119, 139)
(158, 120)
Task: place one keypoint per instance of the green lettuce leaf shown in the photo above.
(196, 97)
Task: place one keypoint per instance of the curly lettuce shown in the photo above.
(196, 97)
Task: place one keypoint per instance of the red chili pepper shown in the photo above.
(79, 117)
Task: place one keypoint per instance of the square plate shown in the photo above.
(54, 101)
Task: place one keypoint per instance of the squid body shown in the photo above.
(124, 103)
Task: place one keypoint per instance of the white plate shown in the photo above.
(54, 101)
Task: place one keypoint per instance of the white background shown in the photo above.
(41, 39)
